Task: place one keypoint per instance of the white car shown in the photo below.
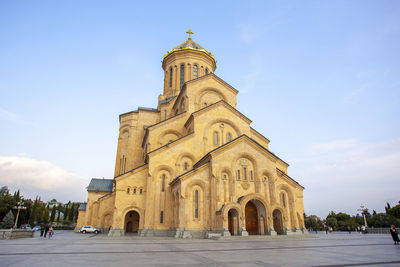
(89, 229)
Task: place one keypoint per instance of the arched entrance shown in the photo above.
(251, 218)
(233, 222)
(132, 222)
(278, 221)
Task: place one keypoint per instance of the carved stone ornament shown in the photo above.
(245, 185)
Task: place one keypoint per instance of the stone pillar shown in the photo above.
(181, 212)
(226, 193)
(261, 225)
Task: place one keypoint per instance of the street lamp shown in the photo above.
(363, 210)
(18, 207)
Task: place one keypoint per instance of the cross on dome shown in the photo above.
(189, 32)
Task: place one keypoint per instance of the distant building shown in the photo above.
(194, 164)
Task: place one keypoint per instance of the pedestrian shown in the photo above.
(46, 229)
(41, 230)
(395, 237)
(50, 232)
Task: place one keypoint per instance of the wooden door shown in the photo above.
(129, 227)
(251, 218)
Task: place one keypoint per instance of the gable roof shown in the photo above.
(221, 102)
(234, 140)
(102, 185)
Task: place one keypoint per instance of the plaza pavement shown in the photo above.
(70, 249)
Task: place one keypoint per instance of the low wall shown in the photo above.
(379, 230)
(16, 233)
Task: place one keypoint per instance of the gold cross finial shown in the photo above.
(189, 32)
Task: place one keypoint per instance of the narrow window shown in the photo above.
(182, 76)
(245, 173)
(265, 179)
(238, 174)
(205, 104)
(170, 77)
(163, 183)
(162, 217)
(251, 175)
(206, 71)
(185, 165)
(134, 191)
(124, 164)
(120, 166)
(215, 138)
(196, 204)
(283, 200)
(165, 114)
(140, 191)
(195, 72)
(128, 190)
(228, 137)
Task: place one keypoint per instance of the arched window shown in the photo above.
(170, 77)
(196, 204)
(283, 200)
(265, 179)
(206, 71)
(251, 175)
(163, 183)
(134, 191)
(205, 104)
(215, 138)
(245, 173)
(185, 165)
(238, 174)
(128, 190)
(228, 137)
(162, 217)
(140, 191)
(182, 76)
(195, 72)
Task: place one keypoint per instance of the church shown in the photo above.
(194, 167)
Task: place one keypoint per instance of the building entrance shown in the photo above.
(132, 222)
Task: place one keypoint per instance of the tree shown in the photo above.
(7, 202)
(53, 213)
(331, 222)
(395, 211)
(71, 213)
(58, 212)
(8, 220)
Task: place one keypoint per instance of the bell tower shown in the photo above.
(185, 62)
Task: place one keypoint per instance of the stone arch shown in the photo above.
(164, 135)
(178, 162)
(262, 210)
(128, 209)
(221, 120)
(198, 182)
(290, 205)
(225, 216)
(160, 168)
(284, 215)
(247, 156)
(200, 96)
(278, 221)
(107, 220)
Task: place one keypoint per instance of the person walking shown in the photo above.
(41, 230)
(50, 232)
(46, 229)
(394, 234)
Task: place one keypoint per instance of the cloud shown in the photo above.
(342, 174)
(41, 178)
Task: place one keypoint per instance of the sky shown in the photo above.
(320, 79)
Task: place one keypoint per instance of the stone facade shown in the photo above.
(194, 167)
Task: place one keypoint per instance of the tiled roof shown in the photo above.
(103, 185)
(82, 206)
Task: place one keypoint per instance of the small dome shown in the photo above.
(189, 44)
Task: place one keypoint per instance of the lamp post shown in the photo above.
(18, 207)
(363, 210)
